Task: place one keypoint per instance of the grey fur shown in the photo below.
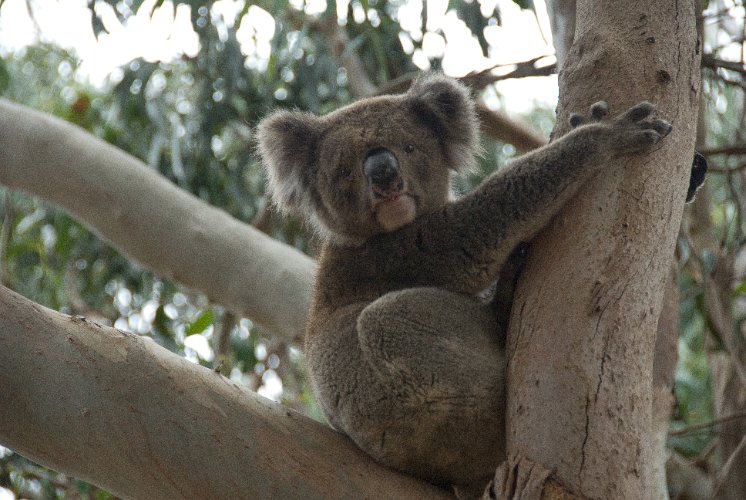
(403, 357)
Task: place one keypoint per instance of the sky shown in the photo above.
(168, 33)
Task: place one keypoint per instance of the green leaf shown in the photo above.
(471, 15)
(200, 324)
(525, 4)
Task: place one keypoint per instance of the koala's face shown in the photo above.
(375, 165)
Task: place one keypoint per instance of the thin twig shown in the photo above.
(731, 150)
(5, 233)
(77, 303)
(710, 61)
(222, 345)
(725, 469)
(735, 195)
(726, 170)
(477, 81)
(706, 425)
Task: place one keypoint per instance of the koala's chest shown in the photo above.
(347, 279)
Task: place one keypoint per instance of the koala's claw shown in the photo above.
(632, 130)
(576, 119)
(660, 126)
(638, 112)
(599, 110)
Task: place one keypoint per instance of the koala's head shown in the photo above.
(375, 165)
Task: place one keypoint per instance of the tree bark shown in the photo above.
(119, 411)
(664, 369)
(562, 20)
(498, 125)
(584, 320)
(154, 222)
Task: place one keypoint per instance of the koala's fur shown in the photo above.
(402, 355)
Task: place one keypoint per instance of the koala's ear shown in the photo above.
(287, 145)
(445, 105)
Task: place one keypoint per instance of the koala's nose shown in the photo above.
(382, 170)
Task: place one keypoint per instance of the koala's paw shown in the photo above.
(630, 132)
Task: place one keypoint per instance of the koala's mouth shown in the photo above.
(394, 211)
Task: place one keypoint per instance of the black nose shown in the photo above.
(381, 168)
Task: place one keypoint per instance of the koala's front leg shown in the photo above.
(468, 241)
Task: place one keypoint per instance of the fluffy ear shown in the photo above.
(287, 145)
(445, 105)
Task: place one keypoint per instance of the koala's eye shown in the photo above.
(346, 171)
(409, 148)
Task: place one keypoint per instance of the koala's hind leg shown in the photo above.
(437, 355)
(422, 326)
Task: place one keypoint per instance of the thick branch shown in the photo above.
(148, 218)
(121, 412)
(584, 320)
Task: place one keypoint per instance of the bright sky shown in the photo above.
(168, 33)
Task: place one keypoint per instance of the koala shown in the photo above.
(403, 355)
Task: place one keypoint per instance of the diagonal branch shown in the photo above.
(154, 222)
(108, 406)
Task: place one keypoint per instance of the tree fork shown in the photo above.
(580, 363)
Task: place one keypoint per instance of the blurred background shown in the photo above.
(182, 84)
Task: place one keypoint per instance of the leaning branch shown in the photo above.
(154, 222)
(494, 124)
(108, 406)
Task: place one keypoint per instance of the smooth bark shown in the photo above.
(562, 21)
(584, 321)
(664, 369)
(154, 222)
(119, 411)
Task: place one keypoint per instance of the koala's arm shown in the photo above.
(462, 246)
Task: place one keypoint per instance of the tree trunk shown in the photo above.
(584, 320)
(664, 370)
(119, 411)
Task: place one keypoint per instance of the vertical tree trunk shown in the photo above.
(664, 370)
(584, 319)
